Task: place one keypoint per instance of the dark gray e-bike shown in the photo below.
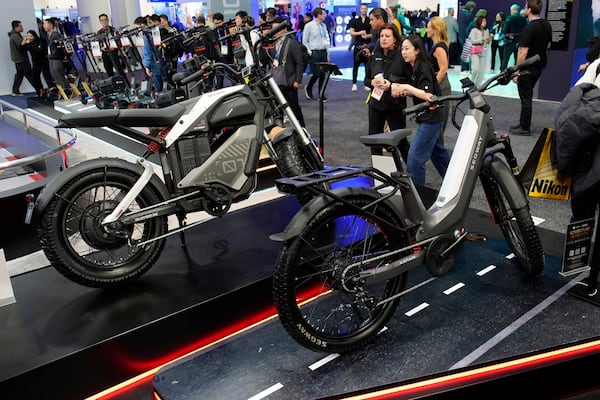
(346, 253)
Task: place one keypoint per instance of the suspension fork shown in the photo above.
(301, 133)
(133, 193)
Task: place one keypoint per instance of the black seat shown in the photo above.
(167, 116)
(391, 138)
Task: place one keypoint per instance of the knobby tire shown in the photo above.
(319, 304)
(84, 252)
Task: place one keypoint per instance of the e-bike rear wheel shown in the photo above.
(320, 301)
(518, 229)
(83, 250)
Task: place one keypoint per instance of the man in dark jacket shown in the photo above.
(18, 55)
(577, 139)
(535, 40)
(289, 57)
(465, 17)
(56, 54)
(514, 25)
(110, 53)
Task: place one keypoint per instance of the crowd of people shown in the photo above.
(404, 54)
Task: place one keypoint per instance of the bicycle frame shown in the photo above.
(442, 220)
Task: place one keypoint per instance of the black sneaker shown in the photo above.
(325, 99)
(519, 131)
(308, 93)
(17, 94)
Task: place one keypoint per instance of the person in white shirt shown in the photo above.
(316, 39)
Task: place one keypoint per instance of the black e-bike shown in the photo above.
(103, 222)
(346, 253)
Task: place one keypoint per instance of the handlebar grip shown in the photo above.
(284, 25)
(528, 62)
(193, 77)
(417, 108)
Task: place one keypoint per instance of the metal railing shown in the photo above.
(27, 116)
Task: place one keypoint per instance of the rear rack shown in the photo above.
(335, 174)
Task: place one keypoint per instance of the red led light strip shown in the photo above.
(428, 386)
(204, 343)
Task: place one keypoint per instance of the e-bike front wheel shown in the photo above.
(292, 162)
(518, 229)
(84, 251)
(321, 302)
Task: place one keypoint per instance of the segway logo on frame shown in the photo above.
(476, 153)
(230, 166)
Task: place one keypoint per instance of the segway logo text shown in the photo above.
(476, 153)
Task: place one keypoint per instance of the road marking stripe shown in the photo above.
(454, 288)
(415, 310)
(486, 270)
(323, 361)
(519, 322)
(510, 256)
(266, 392)
(537, 220)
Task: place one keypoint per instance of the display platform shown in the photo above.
(16, 144)
(481, 313)
(63, 340)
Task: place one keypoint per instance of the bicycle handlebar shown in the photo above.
(283, 25)
(435, 101)
(207, 68)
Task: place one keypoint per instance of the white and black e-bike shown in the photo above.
(103, 222)
(346, 253)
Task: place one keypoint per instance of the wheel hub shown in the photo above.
(92, 231)
(343, 275)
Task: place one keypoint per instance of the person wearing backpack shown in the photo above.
(575, 150)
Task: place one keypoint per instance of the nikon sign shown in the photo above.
(546, 182)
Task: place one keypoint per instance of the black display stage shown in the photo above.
(64, 341)
(481, 313)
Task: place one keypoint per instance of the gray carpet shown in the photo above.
(345, 119)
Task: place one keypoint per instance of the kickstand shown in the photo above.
(181, 220)
(476, 237)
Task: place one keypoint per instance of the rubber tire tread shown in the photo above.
(284, 294)
(531, 238)
(291, 163)
(58, 257)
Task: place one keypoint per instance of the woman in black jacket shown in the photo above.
(39, 57)
(385, 67)
(423, 84)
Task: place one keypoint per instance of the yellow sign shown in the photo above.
(546, 182)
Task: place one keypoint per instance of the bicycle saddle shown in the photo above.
(391, 138)
(167, 116)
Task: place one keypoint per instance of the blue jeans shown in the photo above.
(157, 79)
(425, 145)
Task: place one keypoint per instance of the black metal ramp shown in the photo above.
(481, 312)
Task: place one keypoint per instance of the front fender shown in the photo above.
(65, 176)
(306, 213)
(511, 187)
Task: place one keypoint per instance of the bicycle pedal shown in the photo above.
(476, 237)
